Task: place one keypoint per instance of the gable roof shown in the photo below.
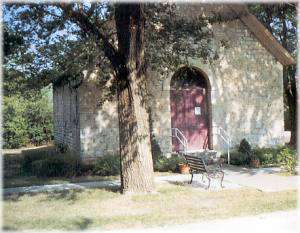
(262, 34)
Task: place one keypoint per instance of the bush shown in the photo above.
(33, 155)
(164, 164)
(268, 156)
(12, 165)
(27, 120)
(64, 165)
(288, 158)
(14, 122)
(237, 158)
(40, 120)
(108, 165)
(48, 162)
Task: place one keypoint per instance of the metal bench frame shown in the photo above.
(198, 166)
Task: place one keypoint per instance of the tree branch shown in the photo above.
(83, 20)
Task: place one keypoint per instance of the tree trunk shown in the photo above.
(290, 91)
(134, 132)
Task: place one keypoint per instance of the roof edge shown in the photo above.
(263, 35)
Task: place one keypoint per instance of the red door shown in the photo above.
(189, 115)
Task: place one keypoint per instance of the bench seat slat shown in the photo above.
(194, 160)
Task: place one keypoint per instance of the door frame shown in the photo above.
(202, 75)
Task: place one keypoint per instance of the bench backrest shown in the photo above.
(195, 163)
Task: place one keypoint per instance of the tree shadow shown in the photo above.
(82, 223)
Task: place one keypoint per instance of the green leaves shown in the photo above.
(27, 120)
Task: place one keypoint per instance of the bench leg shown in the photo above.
(191, 178)
(222, 180)
(208, 182)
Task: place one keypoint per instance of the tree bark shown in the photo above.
(290, 92)
(134, 132)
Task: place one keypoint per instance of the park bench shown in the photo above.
(197, 166)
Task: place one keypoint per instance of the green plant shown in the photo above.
(237, 158)
(107, 165)
(268, 156)
(14, 122)
(164, 164)
(40, 123)
(27, 120)
(66, 165)
(33, 155)
(12, 165)
(288, 158)
(245, 148)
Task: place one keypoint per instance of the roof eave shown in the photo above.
(263, 35)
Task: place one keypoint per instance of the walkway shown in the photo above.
(266, 180)
(280, 221)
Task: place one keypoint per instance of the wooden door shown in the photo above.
(189, 115)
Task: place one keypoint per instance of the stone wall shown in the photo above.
(99, 133)
(66, 116)
(247, 92)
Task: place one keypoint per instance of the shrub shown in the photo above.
(108, 165)
(237, 158)
(268, 156)
(164, 164)
(27, 120)
(33, 155)
(245, 146)
(288, 158)
(14, 122)
(65, 165)
(12, 165)
(40, 120)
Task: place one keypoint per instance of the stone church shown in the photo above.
(197, 107)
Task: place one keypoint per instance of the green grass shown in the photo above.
(108, 209)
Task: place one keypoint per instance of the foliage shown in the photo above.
(30, 156)
(107, 165)
(27, 110)
(246, 149)
(14, 122)
(288, 158)
(280, 20)
(268, 156)
(237, 158)
(12, 41)
(245, 146)
(280, 155)
(40, 120)
(163, 164)
(67, 38)
(27, 120)
(57, 165)
(50, 163)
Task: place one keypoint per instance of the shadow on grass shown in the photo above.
(82, 223)
(68, 195)
(9, 228)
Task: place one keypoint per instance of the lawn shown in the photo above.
(108, 209)
(33, 180)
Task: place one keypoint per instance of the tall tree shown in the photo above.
(68, 38)
(280, 20)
